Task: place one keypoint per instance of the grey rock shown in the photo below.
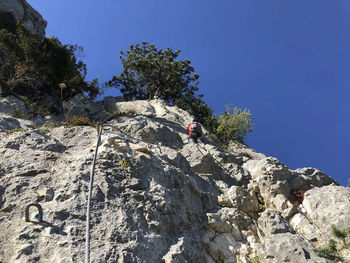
(243, 150)
(209, 200)
(238, 197)
(271, 222)
(310, 177)
(287, 247)
(109, 103)
(327, 206)
(13, 106)
(220, 248)
(7, 124)
(185, 248)
(156, 197)
(227, 218)
(306, 228)
(201, 161)
(79, 105)
(22, 11)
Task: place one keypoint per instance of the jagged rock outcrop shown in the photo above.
(23, 12)
(157, 197)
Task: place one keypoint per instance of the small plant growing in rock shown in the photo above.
(333, 250)
(48, 126)
(16, 130)
(254, 260)
(79, 121)
(40, 109)
(18, 114)
(71, 122)
(118, 113)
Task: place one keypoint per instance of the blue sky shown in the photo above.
(286, 61)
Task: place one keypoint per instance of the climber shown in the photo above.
(195, 131)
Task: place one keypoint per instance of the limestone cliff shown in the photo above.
(156, 197)
(23, 12)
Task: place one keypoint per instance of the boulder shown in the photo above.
(81, 106)
(13, 106)
(306, 228)
(327, 206)
(286, 247)
(184, 248)
(271, 222)
(220, 249)
(244, 151)
(238, 197)
(311, 177)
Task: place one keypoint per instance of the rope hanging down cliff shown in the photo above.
(87, 235)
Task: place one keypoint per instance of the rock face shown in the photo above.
(22, 11)
(156, 197)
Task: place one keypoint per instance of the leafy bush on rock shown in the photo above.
(234, 124)
(34, 67)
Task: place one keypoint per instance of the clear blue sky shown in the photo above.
(286, 61)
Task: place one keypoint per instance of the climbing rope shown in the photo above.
(87, 235)
(123, 163)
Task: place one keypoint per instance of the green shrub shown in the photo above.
(34, 67)
(254, 260)
(234, 124)
(16, 130)
(40, 109)
(149, 72)
(125, 112)
(72, 121)
(48, 126)
(79, 121)
(333, 248)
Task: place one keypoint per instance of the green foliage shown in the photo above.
(329, 252)
(122, 113)
(16, 130)
(254, 260)
(333, 249)
(234, 124)
(72, 121)
(40, 109)
(79, 121)
(48, 126)
(340, 234)
(34, 67)
(149, 72)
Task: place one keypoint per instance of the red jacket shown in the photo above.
(189, 130)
